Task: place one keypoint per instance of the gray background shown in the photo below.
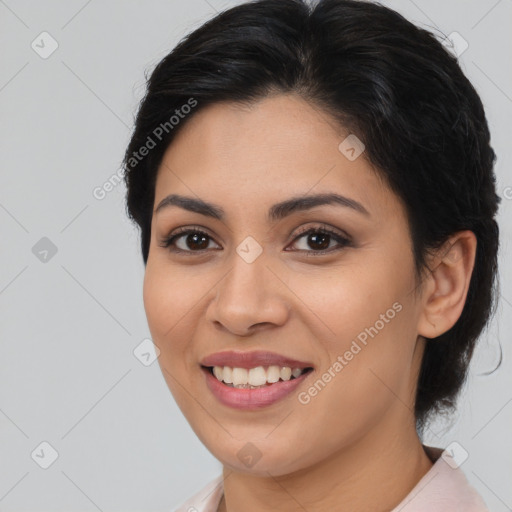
(70, 324)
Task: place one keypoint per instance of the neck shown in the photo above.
(375, 473)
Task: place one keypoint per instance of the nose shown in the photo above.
(249, 298)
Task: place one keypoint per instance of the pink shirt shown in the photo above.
(444, 488)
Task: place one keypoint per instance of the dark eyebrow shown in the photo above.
(301, 203)
(192, 205)
(276, 212)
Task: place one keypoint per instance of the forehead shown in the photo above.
(277, 147)
(278, 125)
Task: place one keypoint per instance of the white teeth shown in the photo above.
(227, 374)
(273, 374)
(240, 376)
(255, 377)
(286, 373)
(296, 372)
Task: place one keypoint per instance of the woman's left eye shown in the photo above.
(321, 238)
(197, 241)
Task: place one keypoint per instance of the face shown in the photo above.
(322, 286)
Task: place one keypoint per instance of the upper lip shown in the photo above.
(252, 360)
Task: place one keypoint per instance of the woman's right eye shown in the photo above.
(191, 241)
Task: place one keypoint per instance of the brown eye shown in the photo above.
(196, 241)
(318, 241)
(190, 240)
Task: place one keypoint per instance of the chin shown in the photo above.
(258, 457)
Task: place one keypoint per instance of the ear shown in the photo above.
(446, 287)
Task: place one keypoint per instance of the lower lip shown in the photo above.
(251, 398)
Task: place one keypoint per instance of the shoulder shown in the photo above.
(444, 488)
(206, 500)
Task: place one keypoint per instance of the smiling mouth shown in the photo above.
(254, 378)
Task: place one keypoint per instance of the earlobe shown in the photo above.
(445, 293)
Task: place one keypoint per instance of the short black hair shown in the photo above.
(392, 84)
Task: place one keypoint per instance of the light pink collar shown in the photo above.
(444, 488)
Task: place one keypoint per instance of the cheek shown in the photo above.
(365, 328)
(359, 382)
(166, 310)
(168, 303)
(169, 297)
(157, 294)
(348, 299)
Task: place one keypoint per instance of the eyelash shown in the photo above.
(343, 241)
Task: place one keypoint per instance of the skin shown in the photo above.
(354, 446)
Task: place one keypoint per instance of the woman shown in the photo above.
(315, 191)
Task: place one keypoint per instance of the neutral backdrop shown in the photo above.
(86, 423)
